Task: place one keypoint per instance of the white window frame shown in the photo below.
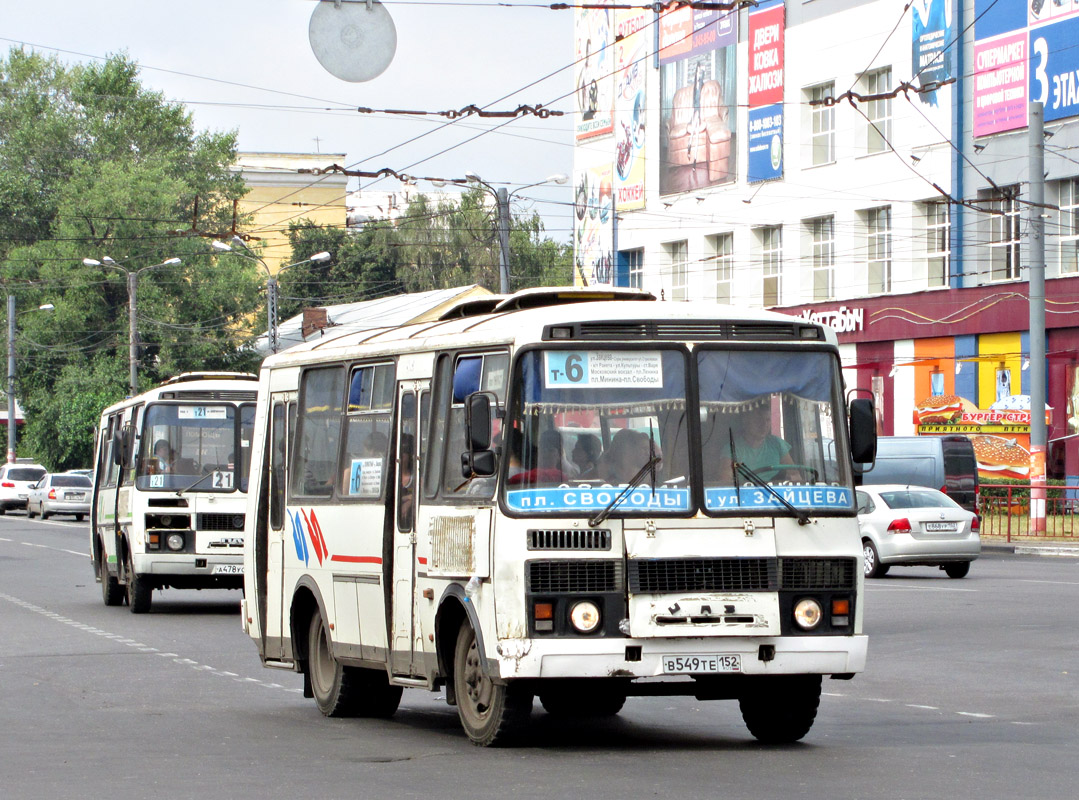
(822, 138)
(635, 267)
(878, 226)
(938, 250)
(770, 248)
(722, 258)
(1069, 226)
(678, 259)
(878, 112)
(1004, 233)
(821, 232)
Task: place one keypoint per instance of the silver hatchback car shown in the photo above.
(60, 493)
(915, 526)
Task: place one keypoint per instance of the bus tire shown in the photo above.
(334, 687)
(110, 587)
(781, 709)
(140, 594)
(583, 701)
(491, 713)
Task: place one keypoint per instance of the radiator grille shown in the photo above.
(711, 330)
(657, 576)
(569, 540)
(818, 573)
(219, 522)
(566, 577)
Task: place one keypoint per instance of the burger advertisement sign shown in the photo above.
(1000, 434)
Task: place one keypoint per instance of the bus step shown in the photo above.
(279, 664)
(401, 680)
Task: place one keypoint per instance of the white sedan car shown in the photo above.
(915, 526)
(60, 493)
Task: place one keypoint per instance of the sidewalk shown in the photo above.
(1064, 549)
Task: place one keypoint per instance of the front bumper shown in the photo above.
(607, 657)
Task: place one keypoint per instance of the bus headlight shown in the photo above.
(584, 616)
(175, 541)
(807, 613)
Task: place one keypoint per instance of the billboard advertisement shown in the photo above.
(697, 105)
(1024, 52)
(594, 51)
(767, 28)
(593, 226)
(931, 43)
(632, 59)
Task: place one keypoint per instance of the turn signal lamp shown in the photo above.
(543, 614)
(901, 525)
(976, 523)
(840, 612)
(52, 494)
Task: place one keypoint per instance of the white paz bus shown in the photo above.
(576, 496)
(170, 488)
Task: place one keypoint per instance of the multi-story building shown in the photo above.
(864, 162)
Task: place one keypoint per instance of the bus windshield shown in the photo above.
(588, 421)
(185, 442)
(769, 417)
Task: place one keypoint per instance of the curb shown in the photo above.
(1059, 550)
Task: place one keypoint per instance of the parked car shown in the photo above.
(946, 463)
(15, 482)
(910, 526)
(60, 493)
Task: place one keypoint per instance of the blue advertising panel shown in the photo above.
(1054, 67)
(994, 17)
(765, 143)
(931, 43)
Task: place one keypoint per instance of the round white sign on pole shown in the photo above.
(353, 41)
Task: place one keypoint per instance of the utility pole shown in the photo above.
(502, 196)
(132, 347)
(271, 312)
(1036, 255)
(11, 379)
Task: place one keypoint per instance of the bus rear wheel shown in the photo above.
(140, 594)
(110, 587)
(491, 713)
(781, 709)
(342, 691)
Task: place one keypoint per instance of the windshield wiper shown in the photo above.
(649, 468)
(192, 486)
(738, 466)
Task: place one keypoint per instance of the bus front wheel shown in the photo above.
(140, 594)
(342, 691)
(491, 713)
(110, 587)
(781, 709)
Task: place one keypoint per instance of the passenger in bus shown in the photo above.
(586, 453)
(629, 451)
(551, 461)
(754, 445)
(166, 461)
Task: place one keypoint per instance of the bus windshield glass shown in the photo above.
(770, 417)
(183, 443)
(585, 424)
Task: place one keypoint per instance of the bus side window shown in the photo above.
(433, 455)
(406, 472)
(367, 438)
(471, 373)
(315, 459)
(277, 467)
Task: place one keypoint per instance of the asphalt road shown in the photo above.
(972, 690)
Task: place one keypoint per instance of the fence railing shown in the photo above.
(1005, 513)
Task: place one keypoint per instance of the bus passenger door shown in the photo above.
(403, 660)
(270, 554)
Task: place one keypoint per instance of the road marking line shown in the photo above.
(927, 708)
(973, 714)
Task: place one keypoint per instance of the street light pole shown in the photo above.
(11, 437)
(502, 200)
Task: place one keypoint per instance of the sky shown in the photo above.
(247, 65)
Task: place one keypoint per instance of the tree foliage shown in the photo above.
(92, 164)
(433, 245)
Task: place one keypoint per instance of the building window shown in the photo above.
(938, 225)
(1069, 226)
(1004, 234)
(678, 257)
(823, 142)
(635, 267)
(878, 112)
(770, 244)
(879, 242)
(722, 258)
(822, 237)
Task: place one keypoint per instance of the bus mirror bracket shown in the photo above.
(863, 431)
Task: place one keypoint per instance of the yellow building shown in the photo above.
(279, 193)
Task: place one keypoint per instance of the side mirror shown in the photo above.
(478, 421)
(480, 464)
(863, 431)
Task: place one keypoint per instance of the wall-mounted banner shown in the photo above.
(766, 32)
(632, 59)
(931, 43)
(593, 226)
(1000, 84)
(765, 143)
(697, 105)
(1054, 67)
(595, 71)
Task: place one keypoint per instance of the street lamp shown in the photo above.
(271, 282)
(502, 198)
(132, 289)
(11, 372)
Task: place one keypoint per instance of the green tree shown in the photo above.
(92, 164)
